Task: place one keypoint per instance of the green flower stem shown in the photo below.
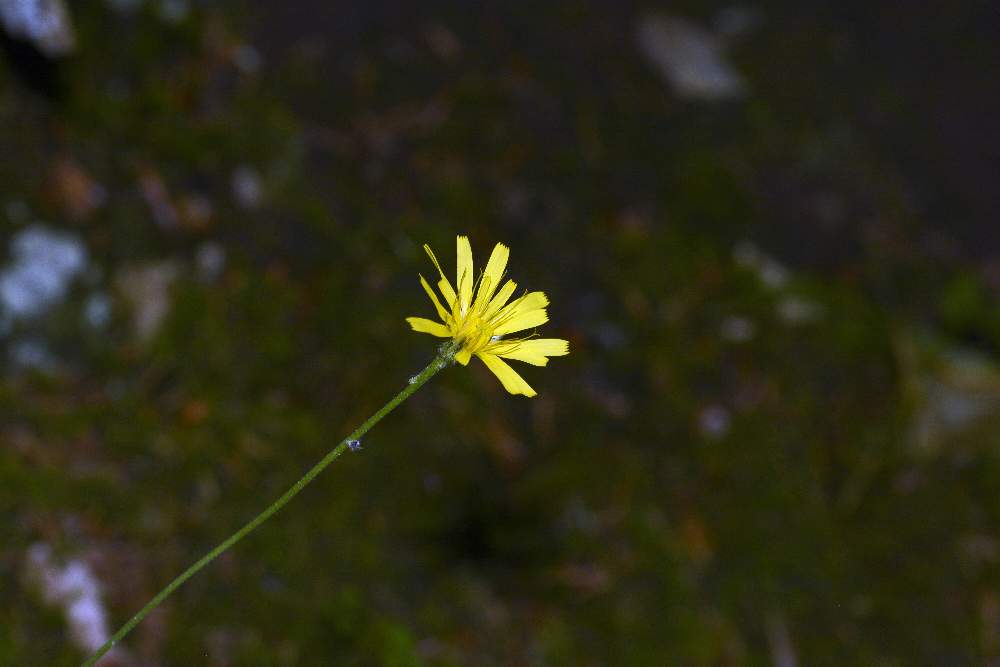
(444, 357)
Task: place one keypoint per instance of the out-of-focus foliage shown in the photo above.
(776, 440)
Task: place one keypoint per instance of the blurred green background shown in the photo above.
(769, 231)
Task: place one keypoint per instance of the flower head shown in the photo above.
(477, 317)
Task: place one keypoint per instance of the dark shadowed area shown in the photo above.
(769, 230)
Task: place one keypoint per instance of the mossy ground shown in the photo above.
(726, 466)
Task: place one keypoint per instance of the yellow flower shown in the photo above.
(478, 325)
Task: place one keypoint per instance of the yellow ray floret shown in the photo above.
(477, 316)
(464, 274)
(492, 275)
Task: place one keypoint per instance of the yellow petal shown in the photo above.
(530, 301)
(464, 276)
(448, 293)
(499, 300)
(443, 284)
(463, 356)
(535, 351)
(522, 321)
(526, 312)
(511, 381)
(492, 275)
(423, 325)
(442, 313)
